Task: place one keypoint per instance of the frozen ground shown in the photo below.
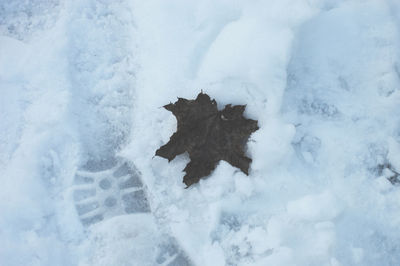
(81, 86)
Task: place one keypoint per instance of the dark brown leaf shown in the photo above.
(208, 135)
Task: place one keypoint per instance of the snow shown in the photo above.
(85, 81)
(123, 240)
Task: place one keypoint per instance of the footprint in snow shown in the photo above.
(107, 188)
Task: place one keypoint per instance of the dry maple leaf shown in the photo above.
(208, 135)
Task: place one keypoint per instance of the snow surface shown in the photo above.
(86, 80)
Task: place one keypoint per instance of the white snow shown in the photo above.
(88, 79)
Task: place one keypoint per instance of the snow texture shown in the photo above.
(82, 86)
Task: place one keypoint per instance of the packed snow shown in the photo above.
(82, 87)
